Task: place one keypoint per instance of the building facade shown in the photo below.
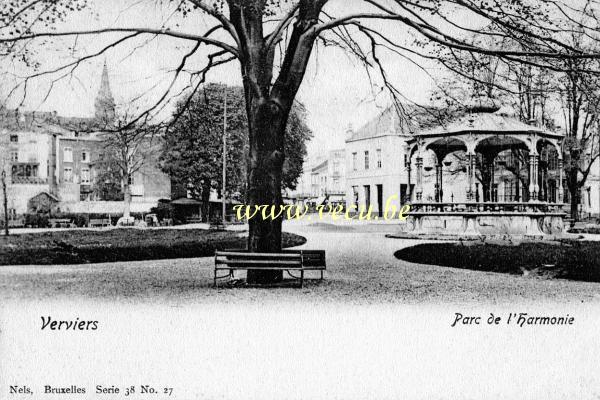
(322, 180)
(44, 153)
(375, 172)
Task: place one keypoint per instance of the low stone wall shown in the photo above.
(487, 224)
(104, 207)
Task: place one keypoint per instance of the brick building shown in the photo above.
(44, 153)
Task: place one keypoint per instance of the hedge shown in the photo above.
(127, 244)
(576, 260)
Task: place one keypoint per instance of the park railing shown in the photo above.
(485, 207)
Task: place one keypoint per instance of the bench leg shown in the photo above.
(215, 279)
(321, 274)
(301, 278)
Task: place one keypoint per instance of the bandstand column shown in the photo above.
(470, 176)
(438, 182)
(419, 185)
(560, 181)
(533, 177)
(409, 188)
(407, 166)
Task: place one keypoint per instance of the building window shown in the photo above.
(68, 174)
(366, 159)
(130, 180)
(85, 176)
(378, 158)
(24, 171)
(553, 161)
(14, 156)
(354, 162)
(14, 138)
(508, 191)
(68, 155)
(85, 156)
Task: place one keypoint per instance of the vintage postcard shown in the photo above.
(299, 199)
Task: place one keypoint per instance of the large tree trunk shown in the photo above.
(573, 187)
(268, 103)
(5, 203)
(205, 206)
(127, 200)
(574, 205)
(265, 166)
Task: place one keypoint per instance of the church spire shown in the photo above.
(105, 103)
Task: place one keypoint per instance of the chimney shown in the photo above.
(349, 132)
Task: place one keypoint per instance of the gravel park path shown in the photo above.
(361, 268)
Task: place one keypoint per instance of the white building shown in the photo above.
(590, 193)
(322, 180)
(375, 171)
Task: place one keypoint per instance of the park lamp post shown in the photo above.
(223, 203)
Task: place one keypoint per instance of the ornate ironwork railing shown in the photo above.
(486, 208)
(28, 180)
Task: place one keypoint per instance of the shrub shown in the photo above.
(35, 220)
(78, 247)
(162, 211)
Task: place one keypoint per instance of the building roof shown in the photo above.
(184, 201)
(88, 137)
(426, 121)
(320, 166)
(43, 122)
(51, 122)
(393, 121)
(48, 194)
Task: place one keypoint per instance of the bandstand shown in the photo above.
(476, 139)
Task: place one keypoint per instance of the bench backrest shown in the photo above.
(313, 258)
(310, 258)
(258, 260)
(99, 221)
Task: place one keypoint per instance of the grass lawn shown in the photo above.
(575, 260)
(87, 246)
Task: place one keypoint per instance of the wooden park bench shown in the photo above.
(216, 226)
(60, 222)
(99, 222)
(15, 223)
(286, 260)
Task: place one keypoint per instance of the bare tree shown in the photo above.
(128, 148)
(579, 95)
(273, 41)
(4, 170)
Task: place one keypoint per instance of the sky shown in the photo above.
(336, 90)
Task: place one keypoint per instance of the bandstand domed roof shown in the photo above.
(485, 120)
(479, 128)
